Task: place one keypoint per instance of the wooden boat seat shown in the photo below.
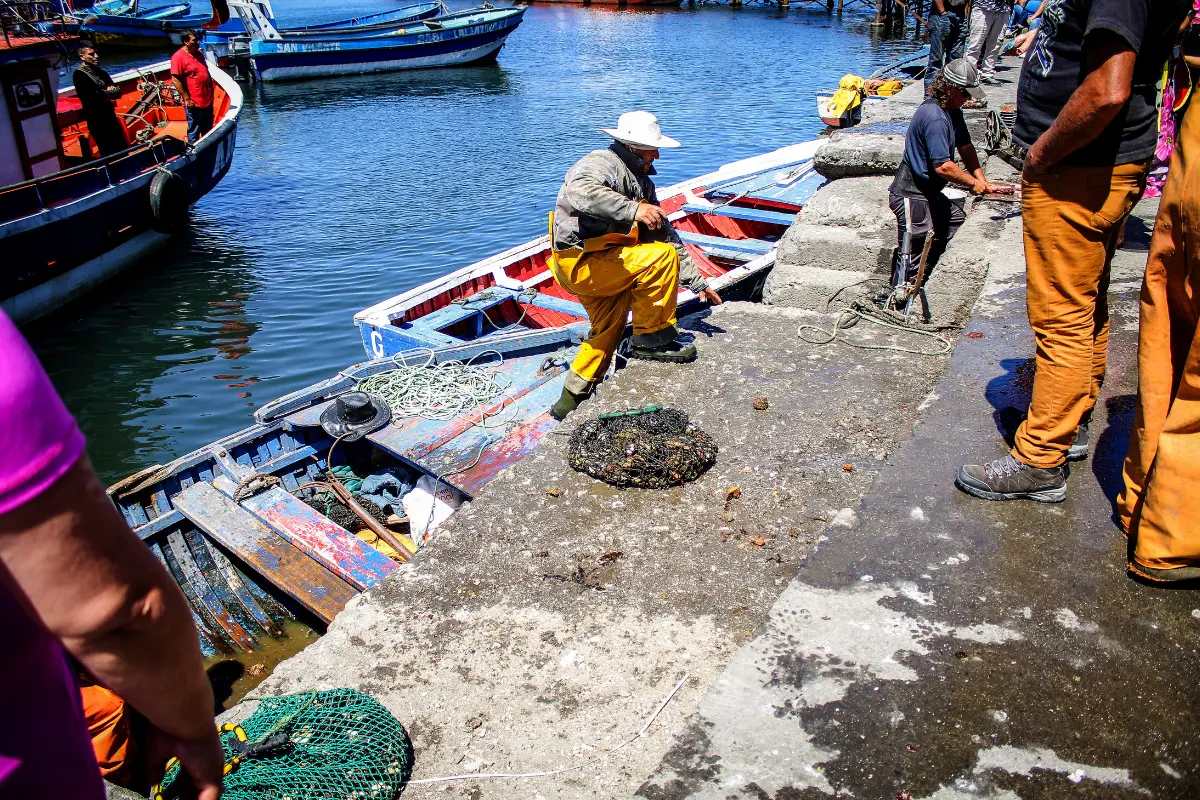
(738, 212)
(732, 249)
(431, 325)
(266, 552)
(331, 545)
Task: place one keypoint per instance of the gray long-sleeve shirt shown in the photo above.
(601, 194)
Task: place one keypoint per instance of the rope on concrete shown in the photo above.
(857, 311)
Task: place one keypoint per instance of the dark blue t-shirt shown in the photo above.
(933, 135)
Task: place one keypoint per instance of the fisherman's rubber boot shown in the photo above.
(674, 352)
(567, 402)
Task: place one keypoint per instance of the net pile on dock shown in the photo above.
(315, 746)
(650, 448)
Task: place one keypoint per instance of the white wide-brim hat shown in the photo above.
(640, 129)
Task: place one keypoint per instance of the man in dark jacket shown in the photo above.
(96, 92)
(613, 247)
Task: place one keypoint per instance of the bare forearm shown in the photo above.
(182, 89)
(971, 159)
(956, 174)
(119, 613)
(1091, 107)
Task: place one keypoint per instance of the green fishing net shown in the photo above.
(334, 745)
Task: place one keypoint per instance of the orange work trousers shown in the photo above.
(109, 726)
(1071, 219)
(1160, 507)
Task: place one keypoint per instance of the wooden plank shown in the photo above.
(739, 212)
(278, 561)
(158, 524)
(331, 545)
(210, 643)
(255, 598)
(756, 246)
(233, 591)
(205, 593)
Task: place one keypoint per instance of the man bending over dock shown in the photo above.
(612, 247)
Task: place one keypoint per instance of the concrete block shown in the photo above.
(860, 203)
(850, 153)
(809, 287)
(832, 247)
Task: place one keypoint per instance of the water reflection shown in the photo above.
(352, 90)
(128, 358)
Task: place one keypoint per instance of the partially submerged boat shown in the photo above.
(472, 36)
(70, 220)
(231, 522)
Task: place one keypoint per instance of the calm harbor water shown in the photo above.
(346, 191)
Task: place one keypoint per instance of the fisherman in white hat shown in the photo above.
(613, 248)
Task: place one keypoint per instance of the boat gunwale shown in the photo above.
(368, 40)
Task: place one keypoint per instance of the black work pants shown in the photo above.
(916, 218)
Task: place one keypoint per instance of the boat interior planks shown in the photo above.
(282, 563)
(328, 543)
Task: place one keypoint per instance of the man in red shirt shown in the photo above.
(194, 84)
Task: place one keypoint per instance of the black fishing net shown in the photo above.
(328, 505)
(650, 448)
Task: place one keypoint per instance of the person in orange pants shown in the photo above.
(108, 723)
(613, 247)
(1160, 506)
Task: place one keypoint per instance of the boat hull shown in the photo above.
(56, 252)
(297, 58)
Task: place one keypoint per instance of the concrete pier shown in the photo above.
(844, 622)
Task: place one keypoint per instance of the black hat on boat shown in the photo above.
(355, 414)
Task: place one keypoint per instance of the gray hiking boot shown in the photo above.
(675, 352)
(1079, 450)
(1010, 479)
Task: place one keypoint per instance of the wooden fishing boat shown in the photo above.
(249, 553)
(731, 221)
(464, 37)
(70, 220)
(231, 41)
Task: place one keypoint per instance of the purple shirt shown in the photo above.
(44, 746)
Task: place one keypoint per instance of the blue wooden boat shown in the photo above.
(465, 37)
(731, 221)
(249, 554)
(231, 41)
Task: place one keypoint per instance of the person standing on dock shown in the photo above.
(1160, 508)
(77, 586)
(947, 36)
(937, 129)
(988, 21)
(612, 247)
(194, 84)
(96, 92)
(1087, 114)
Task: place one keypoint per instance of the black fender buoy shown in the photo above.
(168, 202)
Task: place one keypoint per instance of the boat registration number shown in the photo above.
(474, 30)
